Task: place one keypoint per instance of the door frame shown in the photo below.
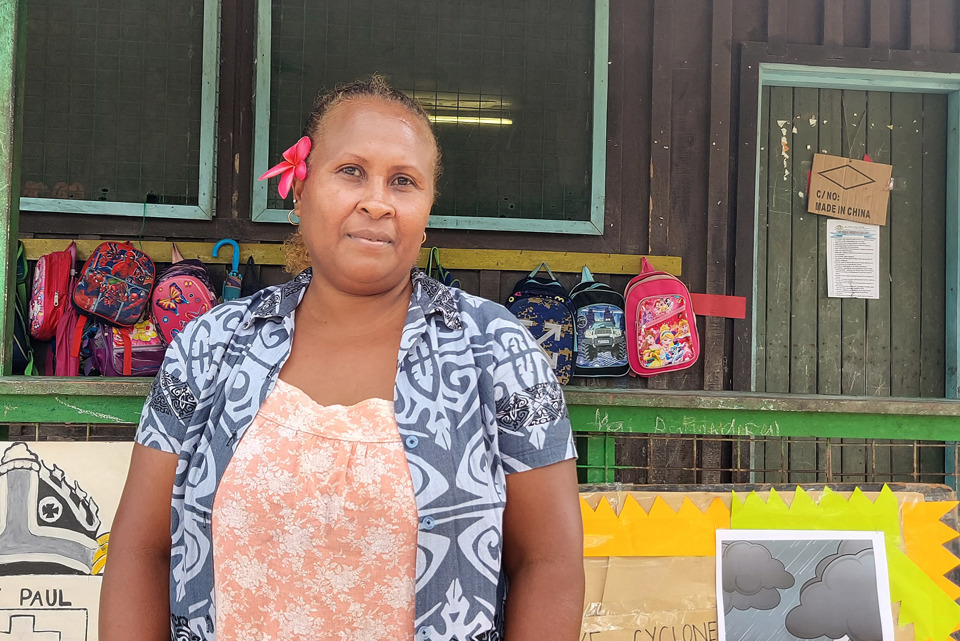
(759, 71)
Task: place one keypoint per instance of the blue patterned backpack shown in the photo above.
(543, 306)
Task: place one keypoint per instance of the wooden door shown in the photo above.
(807, 343)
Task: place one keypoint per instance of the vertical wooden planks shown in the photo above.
(803, 270)
(920, 25)
(877, 357)
(933, 246)
(853, 311)
(779, 204)
(833, 28)
(828, 325)
(905, 227)
(933, 326)
(877, 365)
(760, 302)
(716, 338)
(803, 274)
(777, 27)
(880, 29)
(853, 453)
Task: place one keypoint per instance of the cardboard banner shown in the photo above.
(849, 189)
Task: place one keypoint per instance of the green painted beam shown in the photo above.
(596, 415)
(13, 21)
(71, 400)
(762, 423)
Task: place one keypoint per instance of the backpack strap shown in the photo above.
(586, 276)
(127, 350)
(645, 265)
(78, 336)
(433, 262)
(176, 255)
(543, 265)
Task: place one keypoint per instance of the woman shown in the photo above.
(382, 472)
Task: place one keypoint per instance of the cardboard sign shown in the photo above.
(849, 189)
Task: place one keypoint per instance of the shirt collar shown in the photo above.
(431, 296)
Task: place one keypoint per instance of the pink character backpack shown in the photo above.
(182, 293)
(661, 326)
(51, 291)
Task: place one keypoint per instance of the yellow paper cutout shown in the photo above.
(833, 512)
(661, 532)
(922, 601)
(923, 537)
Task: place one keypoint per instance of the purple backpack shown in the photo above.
(123, 351)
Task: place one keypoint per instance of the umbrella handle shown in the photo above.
(236, 251)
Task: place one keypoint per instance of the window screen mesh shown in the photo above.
(112, 100)
(509, 83)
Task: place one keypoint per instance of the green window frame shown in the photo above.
(790, 75)
(593, 226)
(204, 209)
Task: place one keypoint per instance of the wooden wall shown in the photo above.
(680, 71)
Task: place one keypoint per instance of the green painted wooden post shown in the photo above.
(13, 17)
(594, 458)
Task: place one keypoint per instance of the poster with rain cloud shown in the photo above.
(787, 585)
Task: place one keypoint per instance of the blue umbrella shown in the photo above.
(231, 286)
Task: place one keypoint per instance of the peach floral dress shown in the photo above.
(315, 525)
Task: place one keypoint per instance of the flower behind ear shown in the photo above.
(294, 164)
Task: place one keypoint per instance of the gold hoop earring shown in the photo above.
(290, 215)
(424, 238)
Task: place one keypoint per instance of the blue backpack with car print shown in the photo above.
(601, 329)
(543, 306)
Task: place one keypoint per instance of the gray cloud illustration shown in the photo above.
(842, 599)
(752, 578)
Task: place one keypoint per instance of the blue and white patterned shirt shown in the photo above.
(475, 399)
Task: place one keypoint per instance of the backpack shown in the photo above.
(51, 289)
(22, 352)
(124, 351)
(543, 306)
(182, 293)
(436, 271)
(663, 328)
(65, 363)
(601, 329)
(114, 284)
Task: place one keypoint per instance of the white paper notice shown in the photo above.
(853, 260)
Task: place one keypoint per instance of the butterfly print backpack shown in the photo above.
(183, 292)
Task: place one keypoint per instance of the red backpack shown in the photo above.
(50, 292)
(661, 326)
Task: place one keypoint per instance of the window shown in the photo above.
(517, 92)
(119, 107)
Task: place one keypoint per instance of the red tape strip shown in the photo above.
(723, 306)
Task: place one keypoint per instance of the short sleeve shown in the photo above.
(170, 404)
(533, 423)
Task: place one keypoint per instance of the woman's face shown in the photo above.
(367, 197)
